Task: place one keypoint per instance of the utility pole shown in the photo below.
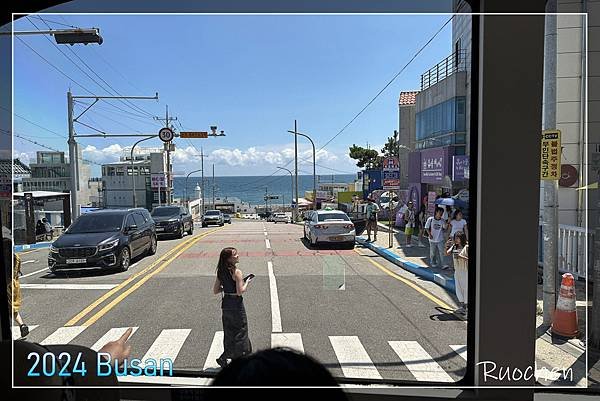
(266, 197)
(550, 215)
(168, 146)
(595, 313)
(296, 168)
(73, 161)
(213, 187)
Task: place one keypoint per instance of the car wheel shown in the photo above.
(221, 225)
(124, 260)
(152, 248)
(180, 233)
(191, 230)
(313, 243)
(203, 225)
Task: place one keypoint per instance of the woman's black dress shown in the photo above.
(235, 324)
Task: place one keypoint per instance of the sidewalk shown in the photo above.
(551, 351)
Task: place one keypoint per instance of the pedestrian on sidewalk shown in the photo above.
(435, 227)
(14, 295)
(447, 216)
(421, 219)
(459, 249)
(231, 283)
(371, 210)
(409, 218)
(458, 224)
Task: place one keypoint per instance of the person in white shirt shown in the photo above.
(435, 227)
(458, 224)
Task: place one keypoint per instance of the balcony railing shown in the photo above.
(454, 63)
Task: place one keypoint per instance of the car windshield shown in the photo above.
(96, 223)
(212, 213)
(333, 216)
(384, 199)
(165, 211)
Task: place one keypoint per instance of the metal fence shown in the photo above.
(571, 250)
(455, 62)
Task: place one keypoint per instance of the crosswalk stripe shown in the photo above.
(419, 362)
(216, 349)
(63, 335)
(461, 350)
(16, 331)
(353, 358)
(167, 345)
(287, 340)
(111, 335)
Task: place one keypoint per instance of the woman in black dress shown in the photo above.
(231, 283)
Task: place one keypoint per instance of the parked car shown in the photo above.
(108, 238)
(172, 220)
(227, 218)
(281, 218)
(213, 217)
(329, 226)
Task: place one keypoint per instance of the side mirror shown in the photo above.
(131, 228)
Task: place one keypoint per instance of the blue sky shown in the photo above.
(249, 75)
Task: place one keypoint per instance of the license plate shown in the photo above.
(337, 238)
(160, 229)
(70, 261)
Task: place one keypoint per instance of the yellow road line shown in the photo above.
(409, 283)
(33, 250)
(137, 285)
(110, 293)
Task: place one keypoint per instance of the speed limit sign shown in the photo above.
(165, 134)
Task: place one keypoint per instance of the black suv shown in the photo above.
(172, 220)
(107, 238)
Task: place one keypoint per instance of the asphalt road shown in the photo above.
(358, 314)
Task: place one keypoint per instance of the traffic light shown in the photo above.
(83, 36)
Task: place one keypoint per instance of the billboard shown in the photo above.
(460, 168)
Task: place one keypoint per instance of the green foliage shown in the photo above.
(368, 158)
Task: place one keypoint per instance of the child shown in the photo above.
(458, 248)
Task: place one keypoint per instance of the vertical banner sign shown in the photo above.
(550, 160)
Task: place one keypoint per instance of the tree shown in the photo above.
(391, 146)
(365, 157)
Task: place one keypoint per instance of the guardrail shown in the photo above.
(442, 70)
(571, 250)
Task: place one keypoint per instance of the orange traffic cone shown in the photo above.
(564, 322)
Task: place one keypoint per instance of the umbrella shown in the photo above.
(451, 202)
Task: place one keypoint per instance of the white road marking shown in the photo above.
(216, 349)
(134, 265)
(353, 358)
(169, 380)
(69, 286)
(32, 273)
(461, 350)
(112, 335)
(287, 340)
(419, 362)
(63, 335)
(268, 243)
(16, 331)
(275, 313)
(28, 261)
(167, 345)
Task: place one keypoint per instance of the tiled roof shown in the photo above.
(6, 167)
(408, 98)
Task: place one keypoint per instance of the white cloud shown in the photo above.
(108, 154)
(25, 157)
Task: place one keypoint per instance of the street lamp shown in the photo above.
(132, 175)
(186, 182)
(294, 210)
(314, 167)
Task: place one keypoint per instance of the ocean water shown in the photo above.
(252, 189)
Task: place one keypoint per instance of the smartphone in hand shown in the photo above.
(249, 276)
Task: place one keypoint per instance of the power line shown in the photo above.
(126, 102)
(54, 22)
(36, 124)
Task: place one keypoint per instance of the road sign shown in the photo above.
(391, 175)
(551, 150)
(390, 164)
(191, 134)
(165, 134)
(158, 180)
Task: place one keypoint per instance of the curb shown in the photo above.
(27, 247)
(427, 274)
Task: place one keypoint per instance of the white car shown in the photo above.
(281, 218)
(329, 226)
